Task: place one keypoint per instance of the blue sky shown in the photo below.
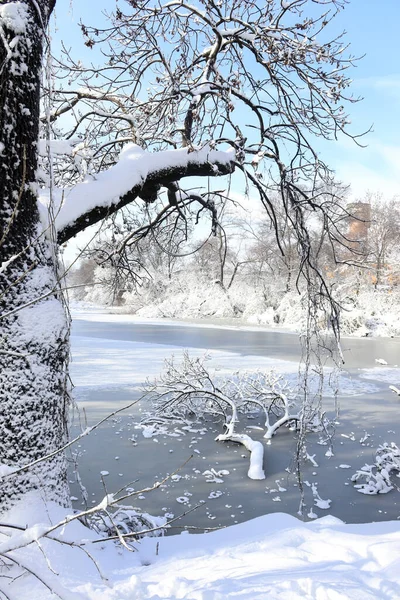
(372, 30)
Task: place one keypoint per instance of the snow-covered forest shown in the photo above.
(238, 274)
(179, 146)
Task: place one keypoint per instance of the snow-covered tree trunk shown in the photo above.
(33, 326)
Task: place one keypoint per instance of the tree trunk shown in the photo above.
(378, 272)
(33, 325)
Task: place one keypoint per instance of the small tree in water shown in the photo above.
(187, 390)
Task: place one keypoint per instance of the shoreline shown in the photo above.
(110, 314)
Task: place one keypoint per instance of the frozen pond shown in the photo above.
(111, 359)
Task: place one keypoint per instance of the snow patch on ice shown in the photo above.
(385, 374)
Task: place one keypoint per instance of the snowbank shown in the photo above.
(369, 313)
(275, 556)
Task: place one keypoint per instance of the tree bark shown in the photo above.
(33, 325)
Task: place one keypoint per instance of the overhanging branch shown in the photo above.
(147, 190)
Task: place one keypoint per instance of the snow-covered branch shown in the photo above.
(137, 173)
(256, 449)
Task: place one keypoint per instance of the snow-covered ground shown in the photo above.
(107, 314)
(271, 557)
(354, 322)
(276, 556)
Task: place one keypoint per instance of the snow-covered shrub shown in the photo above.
(127, 520)
(188, 389)
(378, 476)
(368, 311)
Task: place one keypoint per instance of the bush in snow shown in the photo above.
(126, 521)
(378, 476)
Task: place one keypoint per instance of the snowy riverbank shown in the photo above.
(370, 313)
(273, 556)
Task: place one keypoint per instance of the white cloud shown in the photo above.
(374, 168)
(387, 83)
(392, 156)
(363, 179)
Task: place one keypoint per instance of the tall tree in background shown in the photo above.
(188, 90)
(383, 234)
